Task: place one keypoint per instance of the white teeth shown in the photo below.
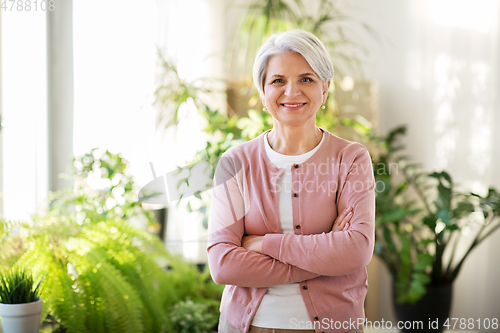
(293, 105)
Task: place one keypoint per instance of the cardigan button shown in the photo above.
(295, 194)
(316, 318)
(297, 226)
(304, 287)
(296, 166)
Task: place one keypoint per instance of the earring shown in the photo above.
(264, 109)
(323, 106)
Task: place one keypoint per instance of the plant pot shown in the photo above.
(432, 310)
(21, 318)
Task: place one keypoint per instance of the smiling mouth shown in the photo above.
(293, 105)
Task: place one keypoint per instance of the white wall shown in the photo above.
(438, 71)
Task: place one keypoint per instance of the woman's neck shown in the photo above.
(298, 140)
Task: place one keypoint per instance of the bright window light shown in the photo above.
(114, 70)
(24, 112)
(478, 15)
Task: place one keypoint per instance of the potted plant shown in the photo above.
(419, 226)
(20, 303)
(104, 271)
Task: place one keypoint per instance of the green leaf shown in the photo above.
(417, 287)
(388, 239)
(182, 181)
(444, 215)
(395, 215)
(424, 260)
(426, 241)
(430, 221)
(422, 278)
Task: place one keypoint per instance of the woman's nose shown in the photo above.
(292, 90)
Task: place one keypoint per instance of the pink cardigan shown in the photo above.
(329, 266)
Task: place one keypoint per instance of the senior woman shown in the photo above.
(292, 218)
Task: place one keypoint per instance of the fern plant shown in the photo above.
(102, 274)
(106, 276)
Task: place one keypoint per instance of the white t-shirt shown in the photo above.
(283, 303)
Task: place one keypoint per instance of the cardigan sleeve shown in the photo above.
(230, 263)
(336, 253)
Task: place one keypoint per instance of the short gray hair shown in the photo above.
(305, 43)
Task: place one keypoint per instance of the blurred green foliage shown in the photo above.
(102, 273)
(191, 317)
(420, 221)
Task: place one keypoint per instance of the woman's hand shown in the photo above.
(252, 243)
(342, 221)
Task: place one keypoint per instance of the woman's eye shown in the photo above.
(277, 81)
(307, 79)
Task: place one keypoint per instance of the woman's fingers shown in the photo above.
(247, 240)
(345, 222)
(252, 243)
(341, 217)
(342, 220)
(338, 221)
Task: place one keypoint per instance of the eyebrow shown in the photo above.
(301, 75)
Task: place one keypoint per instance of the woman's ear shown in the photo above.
(325, 92)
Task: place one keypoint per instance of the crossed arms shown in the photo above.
(274, 259)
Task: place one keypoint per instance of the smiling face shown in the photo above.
(293, 92)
